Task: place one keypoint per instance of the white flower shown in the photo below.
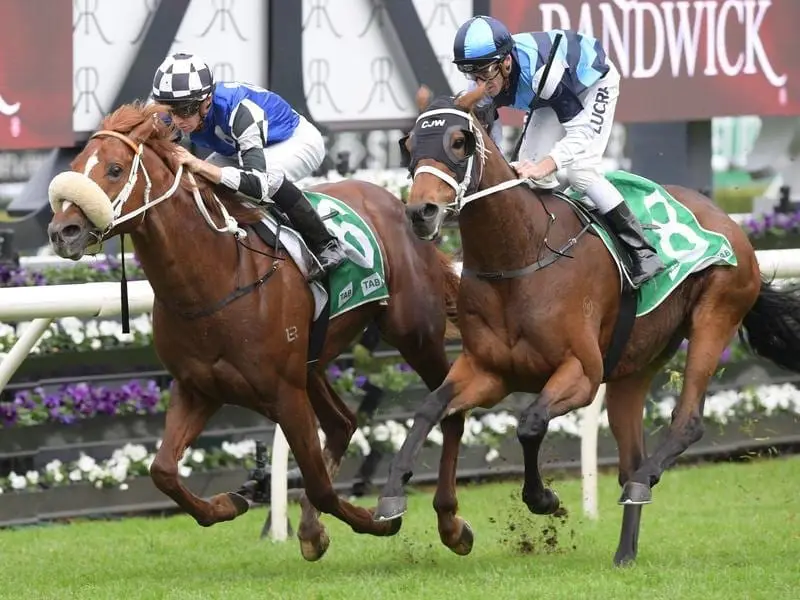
(135, 452)
(491, 455)
(142, 324)
(184, 470)
(436, 436)
(18, 482)
(32, 477)
(360, 440)
(239, 449)
(198, 456)
(380, 433)
(123, 486)
(109, 328)
(95, 344)
(119, 471)
(53, 467)
(86, 463)
(74, 328)
(75, 475)
(91, 330)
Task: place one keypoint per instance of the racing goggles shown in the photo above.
(184, 110)
(481, 71)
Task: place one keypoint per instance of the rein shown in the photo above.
(462, 198)
(231, 226)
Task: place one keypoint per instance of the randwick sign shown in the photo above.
(684, 59)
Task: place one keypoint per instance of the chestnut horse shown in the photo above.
(534, 321)
(224, 307)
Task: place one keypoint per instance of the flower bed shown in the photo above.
(489, 432)
(773, 231)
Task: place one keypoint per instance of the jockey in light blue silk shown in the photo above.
(570, 122)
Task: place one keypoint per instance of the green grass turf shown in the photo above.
(726, 531)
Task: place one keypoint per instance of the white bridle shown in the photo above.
(230, 226)
(462, 198)
(111, 210)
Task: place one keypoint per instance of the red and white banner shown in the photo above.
(35, 74)
(684, 59)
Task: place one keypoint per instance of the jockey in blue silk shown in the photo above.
(260, 144)
(570, 121)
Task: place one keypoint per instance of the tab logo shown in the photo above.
(371, 284)
(432, 123)
(346, 294)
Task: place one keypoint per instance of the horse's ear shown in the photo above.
(145, 130)
(423, 97)
(405, 154)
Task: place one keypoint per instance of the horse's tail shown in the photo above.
(772, 326)
(452, 281)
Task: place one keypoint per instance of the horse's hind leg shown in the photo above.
(714, 321)
(625, 405)
(339, 423)
(187, 414)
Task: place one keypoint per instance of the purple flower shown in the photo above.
(334, 372)
(52, 401)
(24, 400)
(8, 414)
(360, 381)
(726, 355)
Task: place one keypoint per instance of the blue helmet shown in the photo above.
(480, 41)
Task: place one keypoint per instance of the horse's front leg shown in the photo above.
(573, 385)
(467, 386)
(187, 414)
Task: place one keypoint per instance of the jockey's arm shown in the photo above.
(251, 178)
(576, 123)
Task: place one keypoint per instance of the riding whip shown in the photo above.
(545, 74)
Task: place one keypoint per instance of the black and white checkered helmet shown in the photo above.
(182, 77)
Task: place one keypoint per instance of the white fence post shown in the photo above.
(590, 422)
(22, 347)
(279, 487)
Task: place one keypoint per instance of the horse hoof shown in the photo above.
(394, 526)
(465, 541)
(225, 507)
(239, 502)
(624, 558)
(545, 504)
(634, 492)
(313, 552)
(390, 508)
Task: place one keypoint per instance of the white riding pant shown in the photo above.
(584, 173)
(294, 158)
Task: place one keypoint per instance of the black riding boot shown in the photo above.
(326, 247)
(646, 263)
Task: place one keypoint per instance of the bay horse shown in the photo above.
(225, 342)
(538, 318)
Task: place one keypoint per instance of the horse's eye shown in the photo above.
(114, 171)
(458, 144)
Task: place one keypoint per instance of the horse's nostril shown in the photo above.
(70, 232)
(430, 210)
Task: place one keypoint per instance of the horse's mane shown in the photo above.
(145, 120)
